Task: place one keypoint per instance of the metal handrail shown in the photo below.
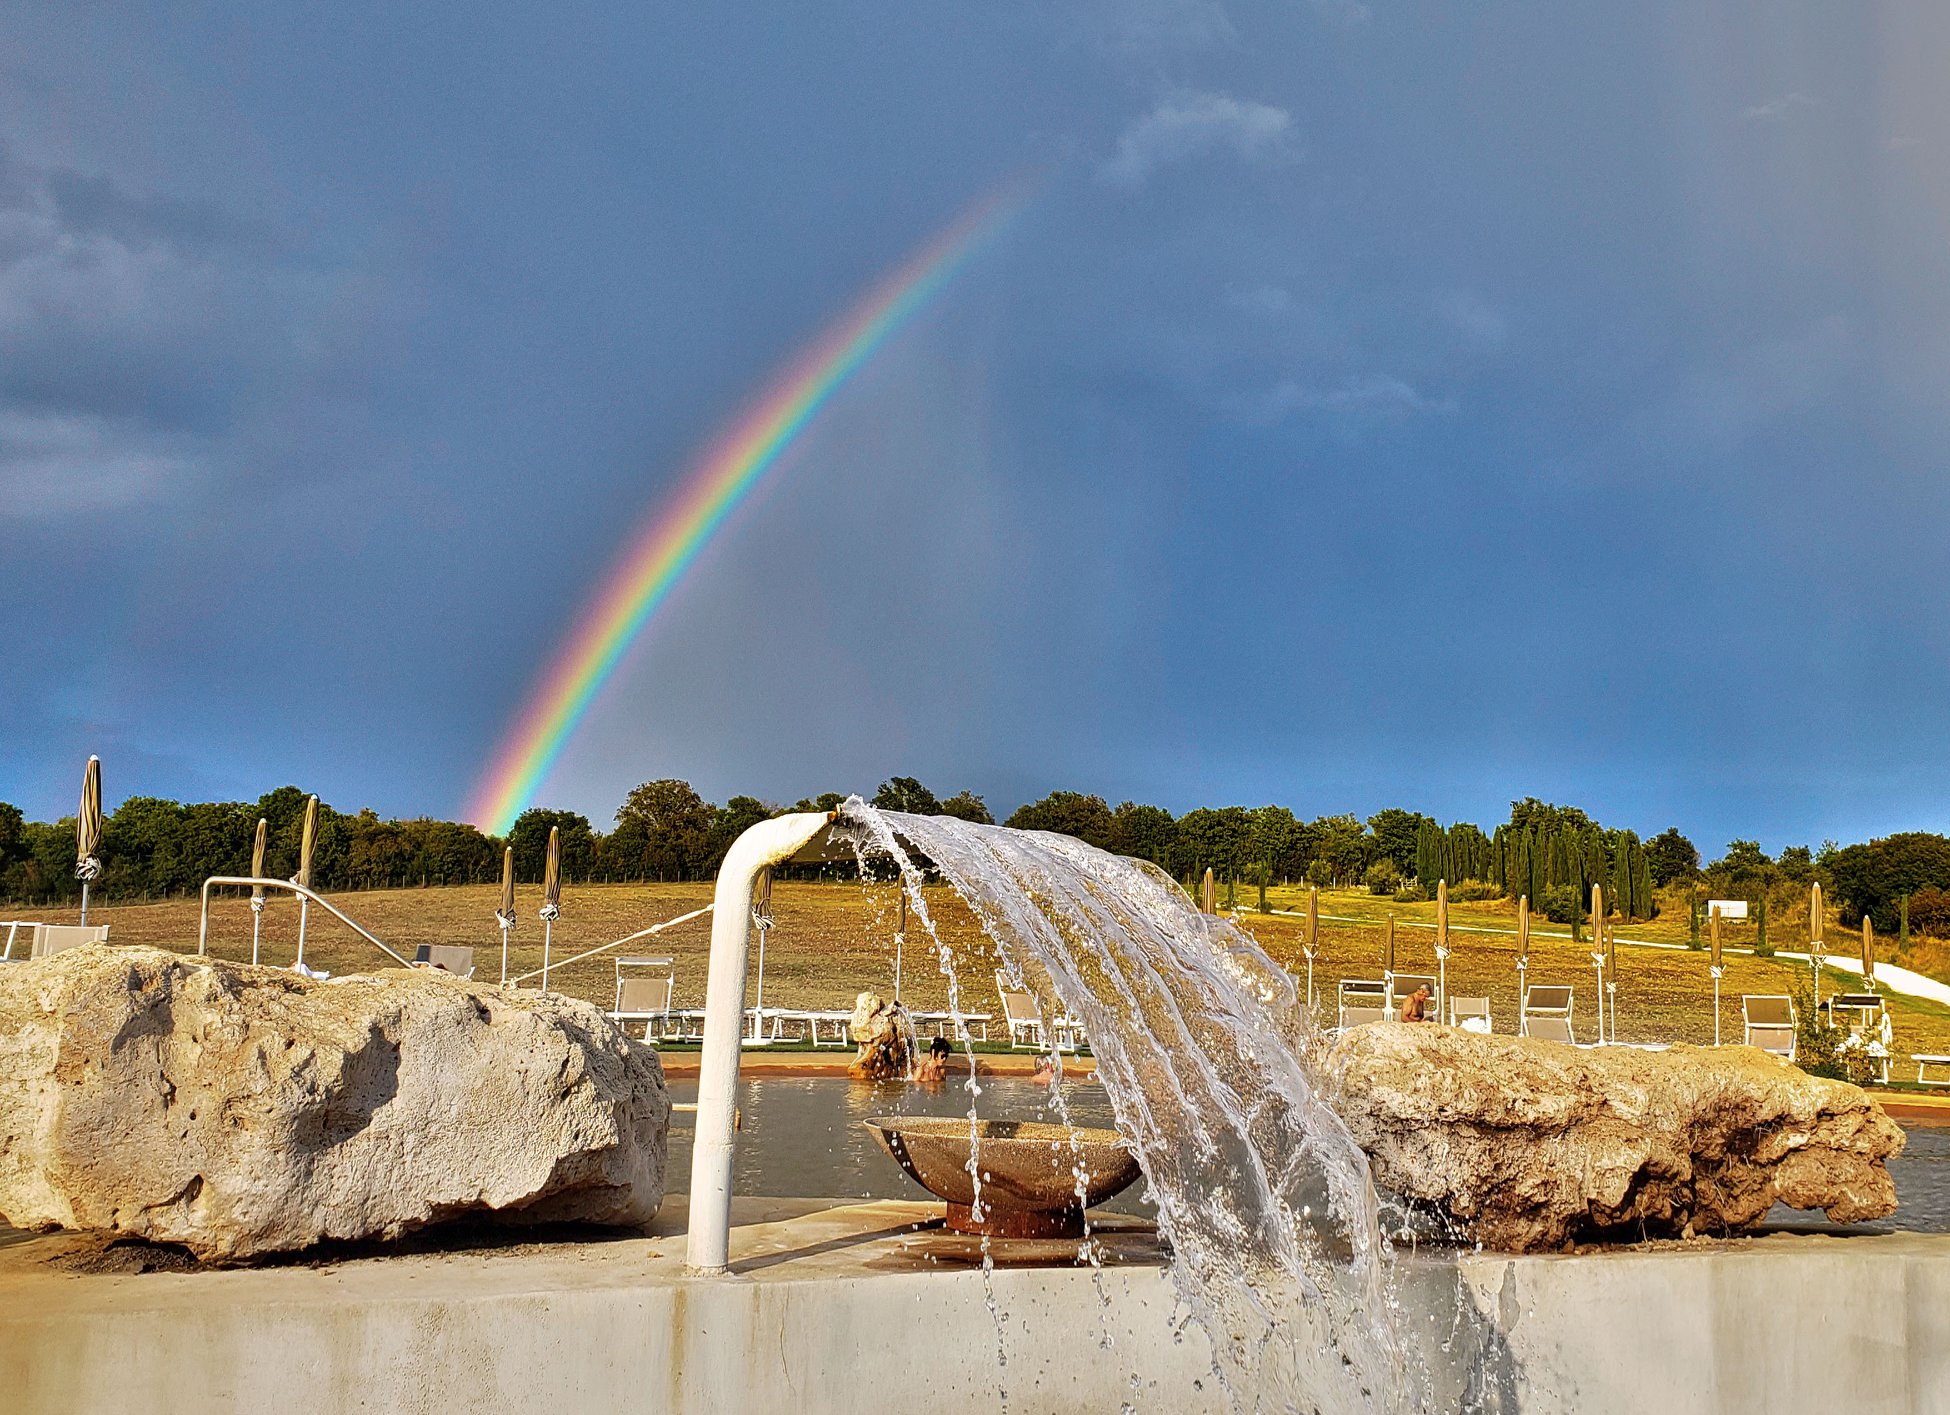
(617, 943)
(253, 882)
(14, 926)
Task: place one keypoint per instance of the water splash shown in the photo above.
(1203, 1050)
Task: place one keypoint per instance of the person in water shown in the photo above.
(1415, 1007)
(934, 1066)
(1045, 1074)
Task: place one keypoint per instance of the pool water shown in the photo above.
(802, 1138)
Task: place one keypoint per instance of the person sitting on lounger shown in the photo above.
(933, 1067)
(1415, 1007)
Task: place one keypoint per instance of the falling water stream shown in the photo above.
(1206, 1058)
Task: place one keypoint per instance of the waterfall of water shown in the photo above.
(1203, 1049)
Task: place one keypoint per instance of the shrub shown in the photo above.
(1469, 891)
(1414, 892)
(1929, 911)
(1383, 877)
(1561, 905)
(1821, 1048)
(1320, 874)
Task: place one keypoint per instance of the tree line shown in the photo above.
(665, 830)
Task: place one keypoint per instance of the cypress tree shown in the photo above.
(1648, 904)
(1762, 948)
(1902, 925)
(1692, 919)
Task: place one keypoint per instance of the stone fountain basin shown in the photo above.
(1028, 1168)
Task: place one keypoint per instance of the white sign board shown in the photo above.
(1727, 908)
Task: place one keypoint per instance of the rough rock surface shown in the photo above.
(1528, 1144)
(885, 1035)
(242, 1110)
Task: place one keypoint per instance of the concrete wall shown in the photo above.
(1857, 1326)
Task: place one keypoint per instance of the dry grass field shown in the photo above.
(833, 940)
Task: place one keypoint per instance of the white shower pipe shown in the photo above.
(781, 840)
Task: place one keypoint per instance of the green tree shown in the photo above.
(529, 836)
(904, 793)
(1144, 832)
(663, 831)
(1397, 836)
(1383, 877)
(967, 806)
(1671, 857)
(1070, 813)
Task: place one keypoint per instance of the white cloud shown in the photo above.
(1777, 110)
(1191, 125)
(1366, 395)
(54, 465)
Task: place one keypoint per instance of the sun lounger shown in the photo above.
(1546, 1013)
(1770, 1024)
(1472, 1014)
(1923, 1065)
(645, 988)
(446, 957)
(50, 939)
(942, 1024)
(1026, 1027)
(1361, 1001)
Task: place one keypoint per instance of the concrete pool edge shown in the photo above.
(827, 1306)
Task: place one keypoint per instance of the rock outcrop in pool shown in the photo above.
(242, 1110)
(1526, 1144)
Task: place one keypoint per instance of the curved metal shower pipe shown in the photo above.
(255, 882)
(778, 841)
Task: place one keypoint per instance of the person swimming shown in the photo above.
(934, 1066)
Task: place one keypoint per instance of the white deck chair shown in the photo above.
(1770, 1023)
(1546, 1013)
(1465, 1011)
(1363, 1000)
(453, 958)
(645, 988)
(50, 939)
(1019, 1011)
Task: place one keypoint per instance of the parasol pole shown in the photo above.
(762, 921)
(1713, 920)
(1598, 951)
(505, 915)
(88, 831)
(1312, 936)
(551, 896)
(1442, 946)
(1523, 950)
(257, 890)
(307, 842)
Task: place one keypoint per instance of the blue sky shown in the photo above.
(1419, 404)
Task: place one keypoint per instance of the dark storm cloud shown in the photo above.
(138, 335)
(1417, 404)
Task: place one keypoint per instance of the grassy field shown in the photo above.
(833, 940)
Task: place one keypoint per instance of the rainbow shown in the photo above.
(719, 480)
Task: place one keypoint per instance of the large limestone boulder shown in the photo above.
(1528, 1144)
(242, 1110)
